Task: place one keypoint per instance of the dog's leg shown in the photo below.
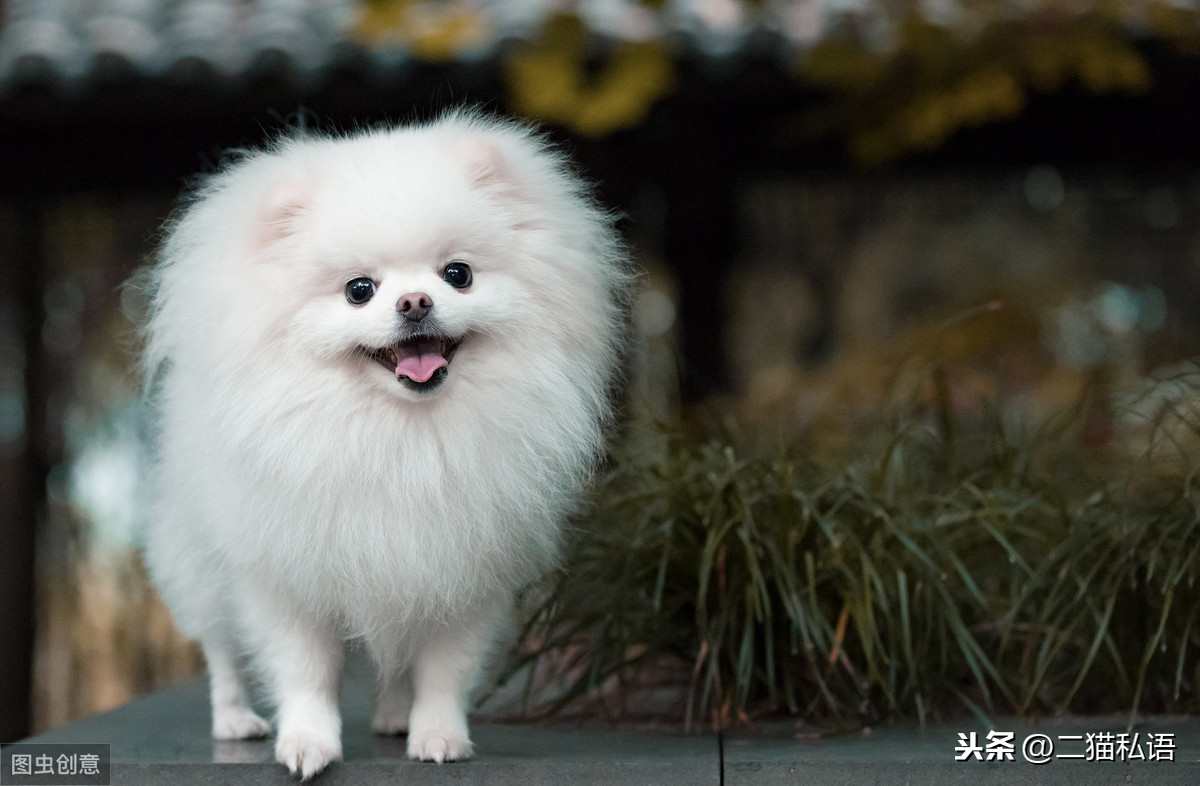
(444, 672)
(301, 658)
(394, 705)
(306, 671)
(233, 718)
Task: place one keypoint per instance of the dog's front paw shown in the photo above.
(439, 745)
(305, 753)
(238, 723)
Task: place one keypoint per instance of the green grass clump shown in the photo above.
(941, 566)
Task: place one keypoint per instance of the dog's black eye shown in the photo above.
(360, 290)
(457, 275)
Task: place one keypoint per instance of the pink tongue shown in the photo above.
(419, 367)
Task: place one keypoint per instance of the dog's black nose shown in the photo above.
(414, 306)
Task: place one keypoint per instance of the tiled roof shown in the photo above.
(66, 42)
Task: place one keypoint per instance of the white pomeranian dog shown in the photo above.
(381, 369)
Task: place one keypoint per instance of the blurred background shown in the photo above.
(817, 190)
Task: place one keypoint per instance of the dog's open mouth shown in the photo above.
(420, 363)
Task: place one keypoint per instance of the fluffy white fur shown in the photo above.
(306, 496)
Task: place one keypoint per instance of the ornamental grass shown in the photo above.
(942, 564)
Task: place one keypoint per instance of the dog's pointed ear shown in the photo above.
(482, 160)
(488, 168)
(281, 210)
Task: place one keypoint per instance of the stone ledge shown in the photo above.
(164, 739)
(909, 755)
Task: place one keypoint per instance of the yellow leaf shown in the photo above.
(544, 85)
(432, 31)
(1048, 64)
(1180, 26)
(546, 81)
(1094, 71)
(841, 64)
(1131, 72)
(1005, 94)
(929, 122)
(381, 22)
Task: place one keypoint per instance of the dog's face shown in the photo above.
(400, 267)
(417, 345)
(401, 326)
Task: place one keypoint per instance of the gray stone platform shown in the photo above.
(909, 755)
(163, 739)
